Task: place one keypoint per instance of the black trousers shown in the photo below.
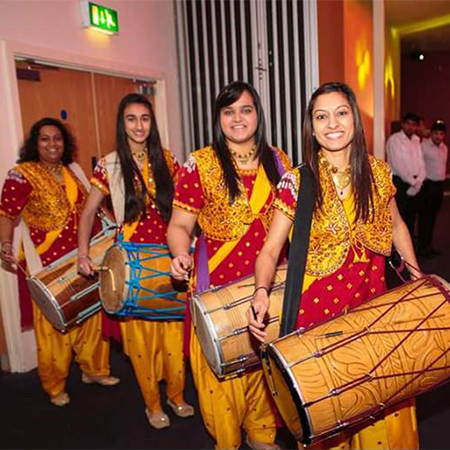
(431, 197)
(408, 206)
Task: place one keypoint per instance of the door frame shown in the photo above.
(21, 346)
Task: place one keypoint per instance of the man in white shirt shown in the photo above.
(404, 155)
(435, 156)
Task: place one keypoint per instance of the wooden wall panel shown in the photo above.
(58, 90)
(109, 90)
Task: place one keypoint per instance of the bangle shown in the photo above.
(261, 287)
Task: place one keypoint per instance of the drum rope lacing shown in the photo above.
(135, 289)
(369, 330)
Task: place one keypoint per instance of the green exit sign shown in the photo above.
(100, 17)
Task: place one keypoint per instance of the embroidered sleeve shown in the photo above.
(188, 190)
(284, 158)
(100, 177)
(172, 163)
(287, 193)
(15, 194)
(385, 185)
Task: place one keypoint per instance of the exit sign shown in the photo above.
(99, 17)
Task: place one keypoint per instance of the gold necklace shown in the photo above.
(244, 158)
(140, 156)
(341, 179)
(55, 170)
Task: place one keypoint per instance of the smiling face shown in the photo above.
(50, 145)
(137, 122)
(239, 121)
(333, 122)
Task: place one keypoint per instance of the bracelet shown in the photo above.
(261, 287)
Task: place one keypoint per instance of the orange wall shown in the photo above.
(358, 38)
(330, 16)
(345, 51)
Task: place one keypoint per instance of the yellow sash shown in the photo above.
(260, 194)
(130, 228)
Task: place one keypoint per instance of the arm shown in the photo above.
(6, 237)
(402, 241)
(179, 238)
(265, 266)
(93, 202)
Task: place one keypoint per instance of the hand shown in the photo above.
(414, 273)
(257, 313)
(180, 267)
(85, 266)
(6, 253)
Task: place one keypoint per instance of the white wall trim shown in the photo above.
(378, 79)
(311, 47)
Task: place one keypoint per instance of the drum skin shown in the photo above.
(65, 297)
(343, 373)
(221, 325)
(137, 283)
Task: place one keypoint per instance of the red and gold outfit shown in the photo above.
(154, 347)
(345, 266)
(234, 235)
(51, 211)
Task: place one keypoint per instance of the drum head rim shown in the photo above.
(293, 387)
(217, 368)
(35, 283)
(126, 288)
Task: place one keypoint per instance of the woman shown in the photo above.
(229, 189)
(139, 178)
(47, 191)
(351, 233)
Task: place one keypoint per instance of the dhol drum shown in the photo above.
(65, 297)
(221, 325)
(343, 374)
(135, 282)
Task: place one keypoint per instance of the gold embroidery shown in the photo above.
(48, 207)
(331, 234)
(218, 219)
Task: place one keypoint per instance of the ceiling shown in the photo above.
(402, 13)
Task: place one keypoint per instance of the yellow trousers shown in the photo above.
(156, 352)
(55, 350)
(235, 402)
(398, 430)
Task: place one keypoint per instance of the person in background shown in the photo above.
(229, 188)
(422, 131)
(139, 178)
(405, 158)
(435, 154)
(47, 191)
(354, 224)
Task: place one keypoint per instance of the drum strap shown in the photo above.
(298, 251)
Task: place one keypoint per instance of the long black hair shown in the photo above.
(227, 96)
(29, 150)
(362, 176)
(135, 198)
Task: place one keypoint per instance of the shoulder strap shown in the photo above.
(298, 251)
